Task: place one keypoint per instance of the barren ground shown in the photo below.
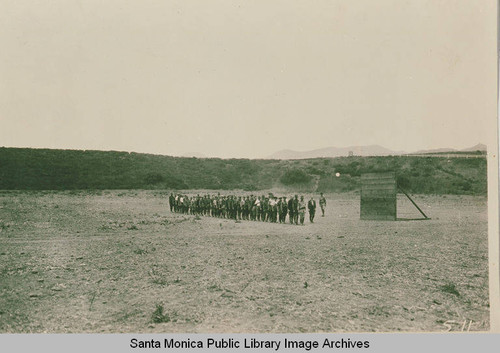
(104, 262)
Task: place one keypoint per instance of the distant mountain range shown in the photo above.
(478, 147)
(371, 150)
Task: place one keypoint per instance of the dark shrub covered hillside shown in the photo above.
(294, 177)
(45, 169)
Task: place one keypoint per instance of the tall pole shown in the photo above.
(413, 202)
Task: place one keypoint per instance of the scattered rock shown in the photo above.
(35, 295)
(58, 287)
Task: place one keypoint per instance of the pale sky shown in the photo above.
(246, 78)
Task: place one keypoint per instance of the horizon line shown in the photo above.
(186, 155)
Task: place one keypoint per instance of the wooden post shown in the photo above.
(413, 202)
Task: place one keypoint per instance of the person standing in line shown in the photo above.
(223, 207)
(181, 204)
(322, 204)
(290, 210)
(187, 204)
(284, 209)
(206, 205)
(253, 208)
(176, 203)
(249, 207)
(257, 209)
(230, 207)
(281, 209)
(271, 209)
(265, 209)
(278, 208)
(171, 202)
(240, 207)
(275, 210)
(214, 207)
(302, 209)
(311, 205)
(295, 205)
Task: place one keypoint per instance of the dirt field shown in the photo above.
(119, 261)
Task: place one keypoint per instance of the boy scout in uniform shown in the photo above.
(302, 209)
(295, 205)
(290, 210)
(171, 202)
(311, 205)
(322, 204)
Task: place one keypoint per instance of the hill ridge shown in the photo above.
(50, 169)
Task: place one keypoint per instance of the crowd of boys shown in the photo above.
(253, 208)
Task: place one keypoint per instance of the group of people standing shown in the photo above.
(254, 208)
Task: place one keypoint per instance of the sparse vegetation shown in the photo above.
(157, 277)
(450, 288)
(3, 226)
(159, 316)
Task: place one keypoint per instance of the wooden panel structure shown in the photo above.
(378, 196)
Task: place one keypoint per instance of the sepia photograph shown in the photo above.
(248, 166)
